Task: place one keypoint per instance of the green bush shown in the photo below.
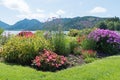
(4, 38)
(85, 31)
(22, 50)
(73, 45)
(88, 44)
(89, 59)
(73, 32)
(39, 33)
(77, 50)
(1, 31)
(61, 44)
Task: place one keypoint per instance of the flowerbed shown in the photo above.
(50, 61)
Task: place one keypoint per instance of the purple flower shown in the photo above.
(108, 35)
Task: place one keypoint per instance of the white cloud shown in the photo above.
(40, 10)
(41, 15)
(98, 10)
(60, 12)
(51, 15)
(56, 14)
(19, 5)
(31, 16)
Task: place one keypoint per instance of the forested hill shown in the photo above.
(72, 23)
(65, 23)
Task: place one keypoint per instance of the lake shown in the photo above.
(16, 32)
(13, 32)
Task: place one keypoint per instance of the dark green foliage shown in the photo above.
(88, 44)
(60, 43)
(114, 19)
(110, 23)
(110, 49)
(102, 25)
(117, 26)
(73, 44)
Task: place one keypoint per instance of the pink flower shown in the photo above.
(62, 62)
(48, 60)
(56, 65)
(50, 57)
(38, 64)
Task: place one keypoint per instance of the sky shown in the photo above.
(12, 11)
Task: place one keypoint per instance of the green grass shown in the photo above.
(104, 69)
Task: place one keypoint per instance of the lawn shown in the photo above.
(103, 69)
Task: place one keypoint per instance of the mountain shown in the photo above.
(54, 24)
(72, 23)
(26, 24)
(4, 25)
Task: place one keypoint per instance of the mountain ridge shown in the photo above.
(54, 24)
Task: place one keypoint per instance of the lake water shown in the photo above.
(16, 32)
(13, 32)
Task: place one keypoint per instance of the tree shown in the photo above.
(114, 19)
(102, 25)
(110, 23)
(117, 26)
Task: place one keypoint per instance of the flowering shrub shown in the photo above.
(108, 35)
(25, 33)
(22, 50)
(107, 41)
(75, 45)
(77, 50)
(81, 38)
(50, 61)
(88, 53)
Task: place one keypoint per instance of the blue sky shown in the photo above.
(12, 11)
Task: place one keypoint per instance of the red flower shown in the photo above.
(49, 59)
(25, 34)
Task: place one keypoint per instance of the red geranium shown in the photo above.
(25, 34)
(50, 61)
